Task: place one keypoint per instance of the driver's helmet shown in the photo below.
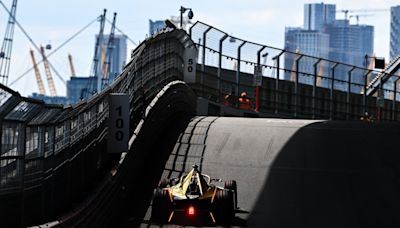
(193, 184)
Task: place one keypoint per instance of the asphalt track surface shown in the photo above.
(297, 173)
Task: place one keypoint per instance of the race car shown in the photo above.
(194, 199)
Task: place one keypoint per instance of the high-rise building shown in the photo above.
(79, 88)
(308, 42)
(325, 37)
(155, 26)
(118, 55)
(394, 32)
(317, 15)
(350, 43)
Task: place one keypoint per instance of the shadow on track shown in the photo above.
(334, 174)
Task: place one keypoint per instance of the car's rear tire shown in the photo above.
(223, 207)
(231, 185)
(161, 207)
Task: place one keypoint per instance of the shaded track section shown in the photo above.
(297, 173)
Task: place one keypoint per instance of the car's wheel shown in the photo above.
(161, 207)
(231, 185)
(163, 183)
(223, 207)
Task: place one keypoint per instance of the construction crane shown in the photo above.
(357, 16)
(346, 11)
(6, 48)
(71, 65)
(96, 72)
(37, 74)
(108, 58)
(50, 80)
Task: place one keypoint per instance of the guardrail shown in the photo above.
(51, 155)
(277, 68)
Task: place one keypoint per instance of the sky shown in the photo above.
(261, 21)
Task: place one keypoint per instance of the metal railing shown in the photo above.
(219, 51)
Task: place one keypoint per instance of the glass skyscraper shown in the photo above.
(350, 43)
(118, 54)
(394, 32)
(309, 42)
(325, 37)
(317, 15)
(80, 88)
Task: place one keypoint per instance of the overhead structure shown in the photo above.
(71, 65)
(383, 77)
(50, 80)
(108, 58)
(37, 74)
(6, 48)
(96, 70)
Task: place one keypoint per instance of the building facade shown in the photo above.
(118, 55)
(394, 32)
(325, 37)
(79, 88)
(350, 43)
(307, 42)
(317, 15)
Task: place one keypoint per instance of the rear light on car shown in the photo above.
(191, 211)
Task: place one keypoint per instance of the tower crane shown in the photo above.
(71, 65)
(96, 72)
(346, 11)
(50, 80)
(5, 52)
(103, 60)
(110, 45)
(357, 16)
(37, 74)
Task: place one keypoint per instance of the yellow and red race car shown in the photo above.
(194, 199)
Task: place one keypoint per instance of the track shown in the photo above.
(297, 173)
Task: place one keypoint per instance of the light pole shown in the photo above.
(183, 10)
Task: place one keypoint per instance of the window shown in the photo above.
(46, 137)
(59, 131)
(4, 96)
(32, 139)
(9, 137)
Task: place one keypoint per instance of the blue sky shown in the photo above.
(257, 20)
